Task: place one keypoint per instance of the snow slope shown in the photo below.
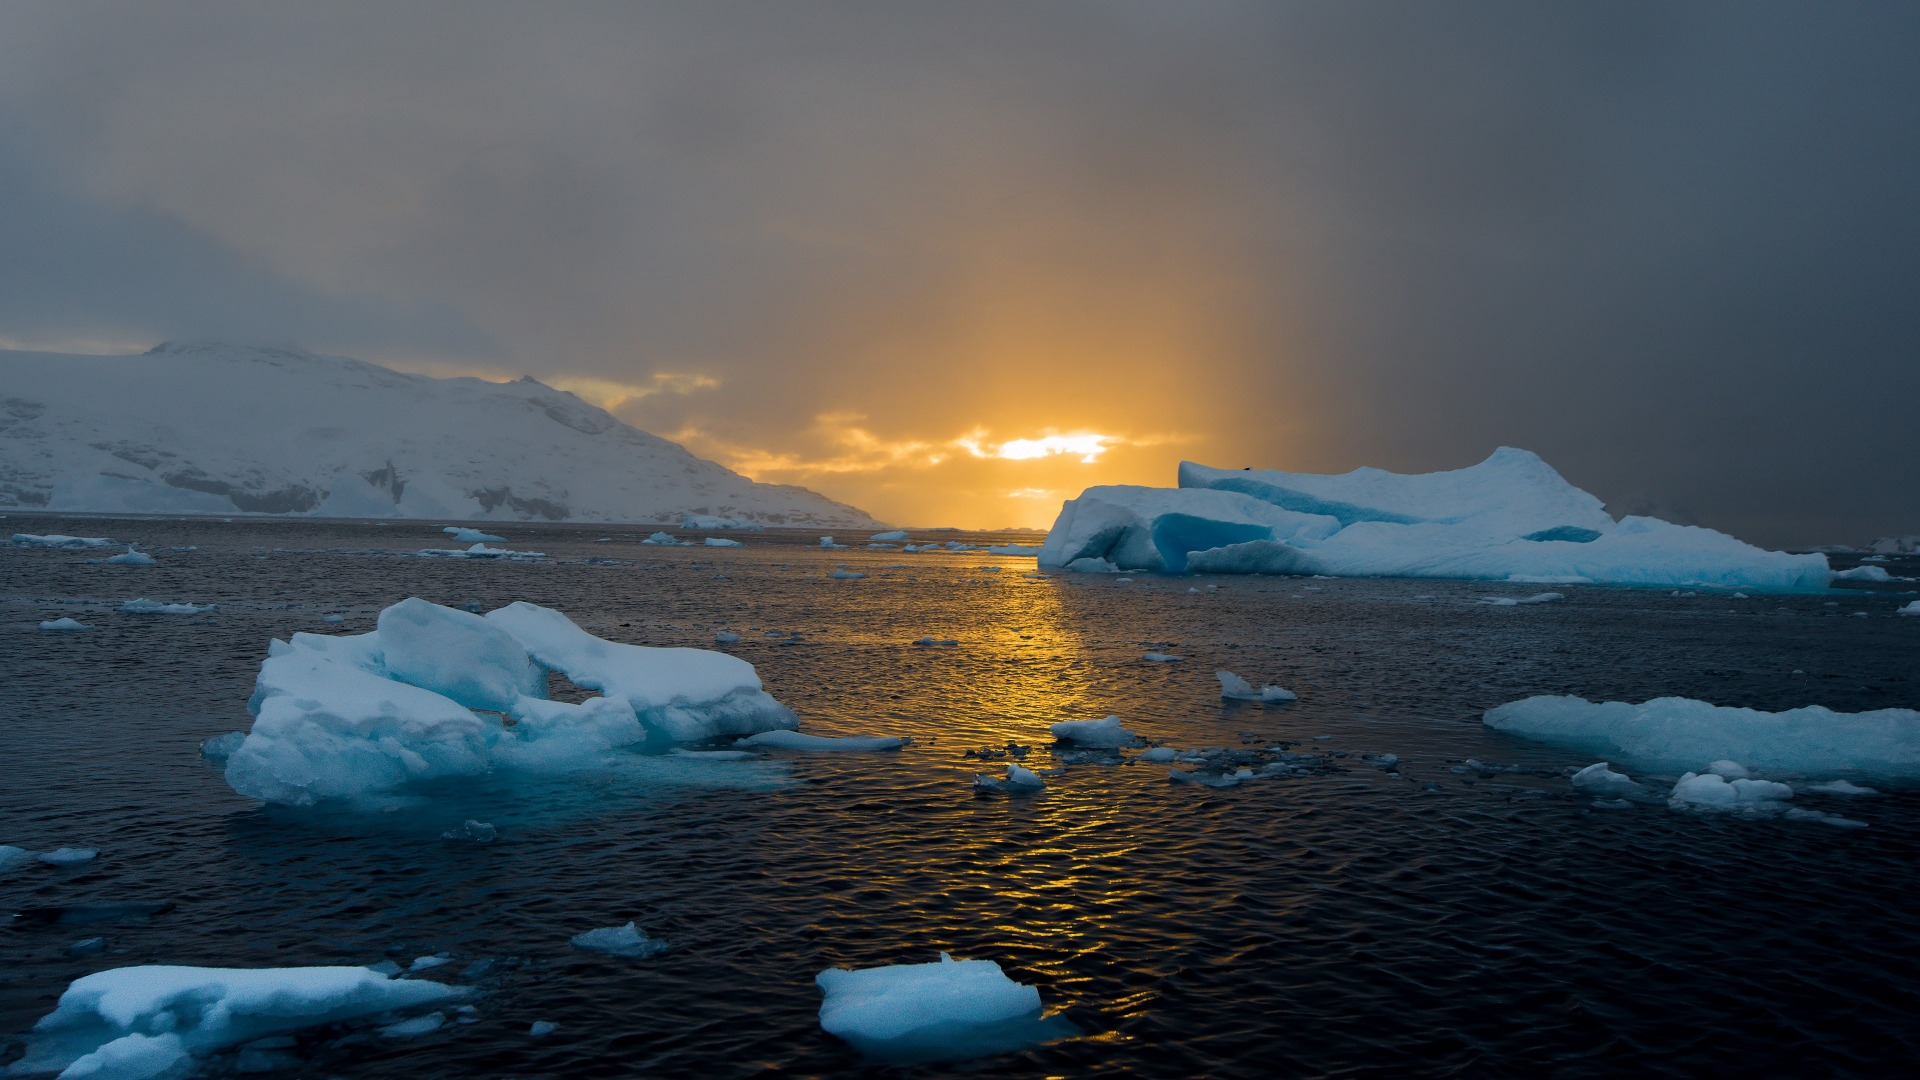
(219, 429)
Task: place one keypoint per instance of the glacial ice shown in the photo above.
(344, 717)
(144, 606)
(795, 740)
(1235, 688)
(893, 536)
(949, 1009)
(1511, 517)
(1100, 733)
(472, 536)
(60, 540)
(64, 624)
(132, 557)
(148, 1021)
(629, 942)
(721, 541)
(1681, 732)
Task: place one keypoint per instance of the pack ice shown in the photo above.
(1511, 517)
(1682, 732)
(950, 1009)
(149, 1021)
(423, 696)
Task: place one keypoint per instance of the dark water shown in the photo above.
(1434, 921)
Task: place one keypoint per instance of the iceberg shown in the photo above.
(1511, 517)
(357, 715)
(1105, 733)
(144, 606)
(949, 1010)
(1681, 732)
(151, 1020)
(472, 536)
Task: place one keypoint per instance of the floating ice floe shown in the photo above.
(1912, 608)
(661, 539)
(344, 717)
(950, 1010)
(1162, 658)
(68, 856)
(1680, 732)
(1864, 573)
(1018, 781)
(721, 541)
(708, 521)
(132, 557)
(843, 574)
(1510, 601)
(1602, 782)
(895, 536)
(58, 540)
(629, 942)
(542, 1028)
(1511, 516)
(795, 740)
(150, 1021)
(1013, 549)
(726, 637)
(1099, 733)
(144, 606)
(1235, 688)
(481, 551)
(827, 542)
(1841, 787)
(472, 536)
(64, 624)
(11, 856)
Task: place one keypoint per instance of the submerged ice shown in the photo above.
(1511, 517)
(429, 694)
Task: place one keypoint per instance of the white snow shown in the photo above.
(1680, 732)
(721, 541)
(145, 1021)
(1019, 781)
(130, 557)
(343, 717)
(64, 624)
(794, 740)
(1511, 516)
(472, 536)
(1235, 688)
(895, 536)
(144, 606)
(1101, 733)
(215, 429)
(936, 1003)
(627, 941)
(68, 856)
(60, 540)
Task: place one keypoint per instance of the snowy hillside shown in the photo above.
(218, 429)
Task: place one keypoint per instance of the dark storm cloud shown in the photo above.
(1668, 246)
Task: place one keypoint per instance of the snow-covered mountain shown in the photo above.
(221, 429)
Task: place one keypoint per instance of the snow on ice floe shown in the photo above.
(1681, 732)
(133, 557)
(795, 740)
(144, 606)
(629, 942)
(1235, 688)
(472, 536)
(1018, 781)
(948, 1010)
(150, 1021)
(64, 624)
(357, 715)
(59, 540)
(1098, 733)
(1511, 517)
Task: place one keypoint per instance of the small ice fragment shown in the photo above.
(144, 606)
(726, 637)
(63, 625)
(1159, 754)
(1864, 573)
(472, 536)
(1017, 781)
(1732, 770)
(844, 574)
(92, 946)
(661, 539)
(894, 536)
(385, 967)
(945, 1005)
(419, 1025)
(1912, 608)
(1235, 688)
(794, 740)
(333, 618)
(1824, 818)
(425, 963)
(721, 541)
(1601, 781)
(1105, 733)
(1842, 787)
(68, 856)
(11, 857)
(130, 557)
(480, 832)
(827, 542)
(928, 642)
(59, 540)
(542, 1028)
(221, 747)
(714, 755)
(1161, 658)
(627, 941)
(1509, 601)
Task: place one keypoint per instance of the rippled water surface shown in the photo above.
(1434, 920)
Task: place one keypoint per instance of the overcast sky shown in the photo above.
(1672, 247)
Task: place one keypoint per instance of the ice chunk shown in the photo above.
(59, 540)
(1161, 658)
(68, 856)
(947, 1010)
(721, 541)
(1602, 782)
(11, 857)
(1509, 517)
(929, 642)
(1858, 573)
(726, 637)
(897, 536)
(1101, 733)
(1509, 601)
(1013, 549)
(144, 606)
(1017, 781)
(1159, 754)
(1732, 770)
(1912, 607)
(827, 542)
(1677, 732)
(627, 941)
(64, 624)
(144, 1021)
(419, 1025)
(428, 963)
(472, 536)
(1798, 814)
(479, 832)
(542, 1028)
(457, 654)
(482, 551)
(130, 557)
(1235, 688)
(794, 740)
(661, 539)
(1841, 787)
(845, 574)
(1091, 566)
(1715, 791)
